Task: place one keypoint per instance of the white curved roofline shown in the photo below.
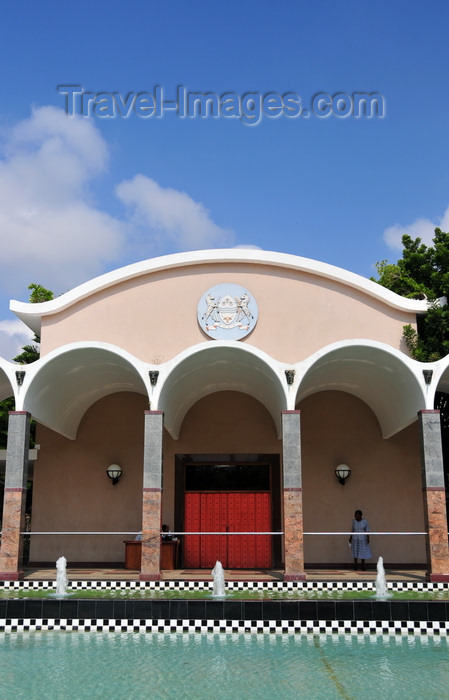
(31, 314)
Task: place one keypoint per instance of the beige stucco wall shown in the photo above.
(385, 482)
(72, 491)
(155, 316)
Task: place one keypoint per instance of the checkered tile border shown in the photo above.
(340, 627)
(273, 586)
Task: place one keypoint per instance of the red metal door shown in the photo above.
(192, 523)
(227, 512)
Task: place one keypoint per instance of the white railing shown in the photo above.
(365, 533)
(278, 532)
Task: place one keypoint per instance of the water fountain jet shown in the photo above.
(219, 582)
(381, 582)
(61, 576)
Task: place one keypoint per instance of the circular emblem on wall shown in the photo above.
(227, 312)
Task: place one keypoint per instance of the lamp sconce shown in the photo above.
(427, 375)
(20, 376)
(154, 374)
(342, 472)
(114, 472)
(290, 376)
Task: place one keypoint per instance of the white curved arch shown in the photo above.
(219, 366)
(59, 388)
(8, 383)
(63, 384)
(31, 314)
(388, 381)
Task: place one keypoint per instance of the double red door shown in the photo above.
(227, 512)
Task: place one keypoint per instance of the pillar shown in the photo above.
(14, 502)
(292, 496)
(434, 496)
(152, 496)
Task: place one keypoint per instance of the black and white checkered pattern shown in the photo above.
(272, 586)
(326, 627)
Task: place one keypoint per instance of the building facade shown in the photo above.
(228, 386)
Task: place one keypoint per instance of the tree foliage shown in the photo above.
(423, 273)
(30, 353)
(5, 407)
(39, 293)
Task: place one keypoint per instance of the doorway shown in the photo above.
(238, 494)
(227, 512)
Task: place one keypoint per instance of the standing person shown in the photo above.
(359, 541)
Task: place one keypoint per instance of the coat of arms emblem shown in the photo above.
(227, 312)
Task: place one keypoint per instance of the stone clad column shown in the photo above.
(152, 496)
(434, 496)
(292, 492)
(14, 502)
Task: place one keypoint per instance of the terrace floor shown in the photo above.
(121, 574)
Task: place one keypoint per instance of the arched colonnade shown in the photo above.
(61, 388)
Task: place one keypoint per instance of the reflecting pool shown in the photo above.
(230, 594)
(77, 665)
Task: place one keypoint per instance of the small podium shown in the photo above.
(169, 554)
(133, 554)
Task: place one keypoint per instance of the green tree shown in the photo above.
(423, 273)
(39, 293)
(30, 353)
(5, 407)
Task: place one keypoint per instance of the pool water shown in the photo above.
(77, 665)
(201, 594)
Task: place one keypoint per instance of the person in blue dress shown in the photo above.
(359, 541)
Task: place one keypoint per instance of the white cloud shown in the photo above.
(173, 217)
(49, 230)
(420, 228)
(13, 336)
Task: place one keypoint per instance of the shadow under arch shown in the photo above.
(74, 377)
(384, 379)
(216, 367)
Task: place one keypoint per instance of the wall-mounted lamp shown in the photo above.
(154, 374)
(290, 376)
(20, 376)
(114, 472)
(427, 375)
(342, 472)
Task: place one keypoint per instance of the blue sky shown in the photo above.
(83, 195)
